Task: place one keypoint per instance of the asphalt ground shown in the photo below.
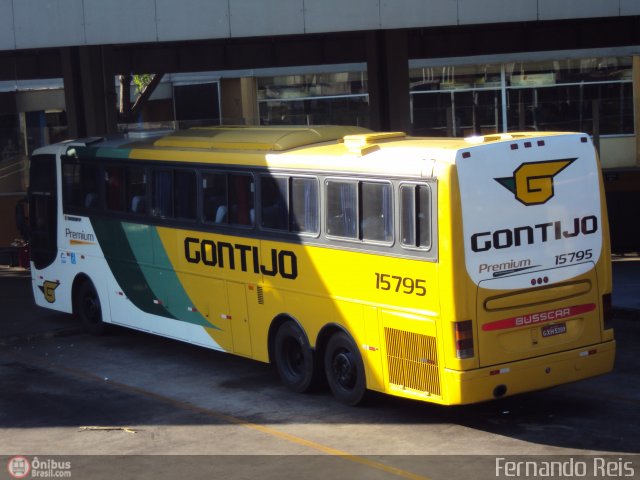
(132, 405)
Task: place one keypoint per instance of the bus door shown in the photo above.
(43, 197)
(532, 222)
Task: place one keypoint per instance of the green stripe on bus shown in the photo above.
(161, 276)
(125, 267)
(138, 261)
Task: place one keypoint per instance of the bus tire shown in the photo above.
(293, 357)
(88, 309)
(344, 369)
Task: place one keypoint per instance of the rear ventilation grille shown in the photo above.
(413, 361)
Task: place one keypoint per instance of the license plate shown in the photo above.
(556, 329)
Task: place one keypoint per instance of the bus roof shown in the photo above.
(328, 147)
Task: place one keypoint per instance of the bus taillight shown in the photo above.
(464, 339)
(607, 311)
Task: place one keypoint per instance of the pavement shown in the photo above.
(626, 285)
(44, 322)
(23, 319)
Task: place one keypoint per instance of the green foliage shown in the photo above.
(141, 81)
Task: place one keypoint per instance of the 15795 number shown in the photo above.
(571, 257)
(408, 285)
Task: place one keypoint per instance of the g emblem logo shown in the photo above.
(532, 182)
(48, 288)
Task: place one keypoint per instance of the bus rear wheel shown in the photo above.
(88, 309)
(294, 357)
(345, 369)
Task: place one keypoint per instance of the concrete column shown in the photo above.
(388, 79)
(239, 101)
(249, 96)
(231, 101)
(73, 92)
(636, 105)
(89, 91)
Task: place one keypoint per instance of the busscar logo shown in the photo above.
(532, 182)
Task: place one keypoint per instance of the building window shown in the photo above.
(554, 95)
(314, 99)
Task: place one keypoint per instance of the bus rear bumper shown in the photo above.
(528, 375)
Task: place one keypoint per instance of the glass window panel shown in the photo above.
(214, 197)
(71, 184)
(162, 194)
(185, 194)
(415, 212)
(273, 198)
(304, 205)
(377, 220)
(90, 178)
(115, 188)
(136, 190)
(408, 215)
(423, 216)
(548, 95)
(342, 208)
(241, 209)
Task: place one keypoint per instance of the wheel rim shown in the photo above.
(293, 357)
(344, 369)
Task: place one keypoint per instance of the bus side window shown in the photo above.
(185, 195)
(114, 188)
(304, 205)
(415, 213)
(273, 202)
(162, 193)
(137, 190)
(214, 195)
(342, 208)
(377, 219)
(241, 205)
(90, 184)
(71, 184)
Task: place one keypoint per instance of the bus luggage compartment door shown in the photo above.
(239, 318)
(519, 324)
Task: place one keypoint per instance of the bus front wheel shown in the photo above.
(345, 369)
(294, 357)
(88, 309)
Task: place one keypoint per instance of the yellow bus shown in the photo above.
(445, 270)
